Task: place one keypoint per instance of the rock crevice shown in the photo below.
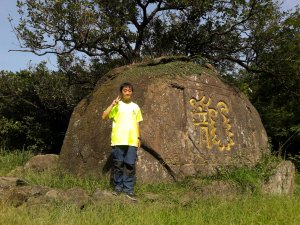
(160, 160)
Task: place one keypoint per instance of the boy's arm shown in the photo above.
(107, 111)
(139, 135)
(109, 108)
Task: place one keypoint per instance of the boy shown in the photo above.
(125, 139)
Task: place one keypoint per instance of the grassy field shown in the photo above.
(176, 204)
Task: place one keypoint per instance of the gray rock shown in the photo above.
(16, 197)
(152, 197)
(282, 181)
(19, 195)
(35, 195)
(40, 163)
(8, 182)
(76, 196)
(100, 196)
(54, 195)
(38, 202)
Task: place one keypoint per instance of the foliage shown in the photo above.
(275, 92)
(85, 75)
(226, 32)
(295, 158)
(35, 107)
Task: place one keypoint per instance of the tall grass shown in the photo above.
(9, 160)
(248, 178)
(241, 210)
(57, 179)
(174, 204)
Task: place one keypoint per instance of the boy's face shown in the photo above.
(126, 93)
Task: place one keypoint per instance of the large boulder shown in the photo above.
(193, 123)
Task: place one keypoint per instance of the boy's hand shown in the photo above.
(116, 101)
(138, 149)
(106, 112)
(139, 143)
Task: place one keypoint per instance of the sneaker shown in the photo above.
(131, 196)
(116, 192)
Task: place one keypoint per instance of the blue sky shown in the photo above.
(16, 61)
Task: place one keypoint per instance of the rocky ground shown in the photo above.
(18, 191)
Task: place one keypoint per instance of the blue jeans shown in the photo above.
(124, 158)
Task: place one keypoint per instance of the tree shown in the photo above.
(218, 30)
(276, 90)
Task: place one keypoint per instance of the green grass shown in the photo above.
(175, 204)
(65, 181)
(167, 70)
(248, 178)
(241, 210)
(9, 160)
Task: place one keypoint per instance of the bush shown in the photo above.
(35, 107)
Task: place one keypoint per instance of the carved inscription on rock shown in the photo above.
(213, 123)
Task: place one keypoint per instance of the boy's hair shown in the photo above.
(126, 84)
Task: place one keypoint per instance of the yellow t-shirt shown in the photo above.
(125, 117)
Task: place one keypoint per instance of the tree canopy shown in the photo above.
(276, 91)
(232, 32)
